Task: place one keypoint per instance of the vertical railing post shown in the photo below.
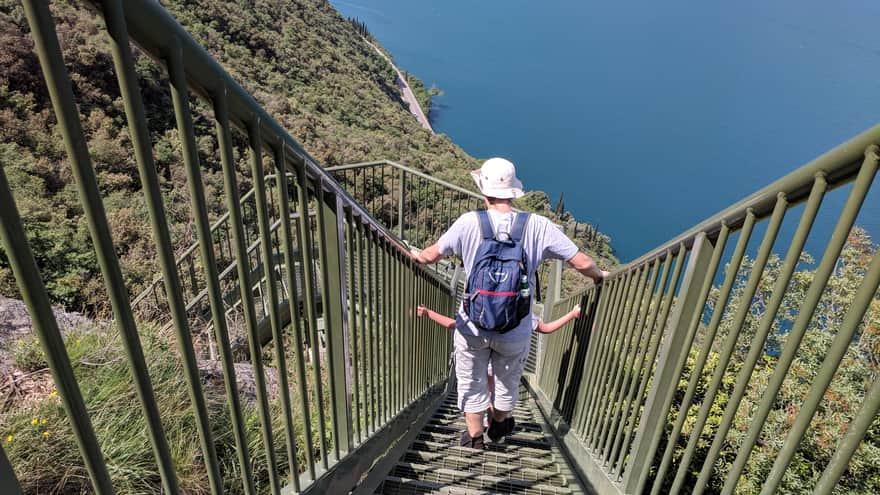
(8, 482)
(401, 199)
(554, 287)
(331, 216)
(554, 294)
(666, 376)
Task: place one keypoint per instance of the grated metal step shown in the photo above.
(526, 462)
(479, 465)
(493, 484)
(492, 454)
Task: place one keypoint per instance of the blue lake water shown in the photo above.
(649, 116)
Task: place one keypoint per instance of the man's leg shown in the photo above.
(471, 362)
(499, 415)
(474, 423)
(508, 361)
(492, 412)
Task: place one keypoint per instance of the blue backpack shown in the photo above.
(497, 295)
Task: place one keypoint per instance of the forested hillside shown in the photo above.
(302, 61)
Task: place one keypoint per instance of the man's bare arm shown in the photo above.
(588, 268)
(430, 254)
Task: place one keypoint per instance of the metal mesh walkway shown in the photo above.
(526, 462)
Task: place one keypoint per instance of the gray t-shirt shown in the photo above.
(541, 240)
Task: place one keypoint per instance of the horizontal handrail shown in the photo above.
(408, 170)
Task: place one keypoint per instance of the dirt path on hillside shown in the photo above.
(408, 95)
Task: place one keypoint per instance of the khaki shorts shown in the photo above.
(472, 357)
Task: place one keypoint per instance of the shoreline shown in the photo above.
(408, 96)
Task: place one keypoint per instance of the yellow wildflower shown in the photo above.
(43, 421)
(9, 438)
(54, 393)
(45, 434)
(34, 421)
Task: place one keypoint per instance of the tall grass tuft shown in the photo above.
(39, 441)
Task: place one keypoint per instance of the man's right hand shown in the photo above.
(430, 254)
(588, 268)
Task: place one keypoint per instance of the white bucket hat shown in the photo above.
(497, 179)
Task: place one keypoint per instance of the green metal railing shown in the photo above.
(375, 185)
(347, 256)
(420, 207)
(614, 381)
(417, 206)
(411, 203)
(152, 304)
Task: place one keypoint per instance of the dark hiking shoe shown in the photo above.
(500, 429)
(474, 443)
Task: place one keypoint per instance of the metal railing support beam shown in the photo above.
(331, 219)
(8, 482)
(180, 97)
(305, 238)
(401, 203)
(672, 351)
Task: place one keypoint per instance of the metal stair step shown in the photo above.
(396, 485)
(511, 444)
(459, 423)
(453, 477)
(521, 438)
(481, 465)
(520, 414)
(520, 433)
(526, 462)
(514, 457)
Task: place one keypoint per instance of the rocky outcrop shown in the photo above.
(16, 323)
(211, 373)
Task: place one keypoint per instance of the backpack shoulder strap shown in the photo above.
(519, 226)
(485, 224)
